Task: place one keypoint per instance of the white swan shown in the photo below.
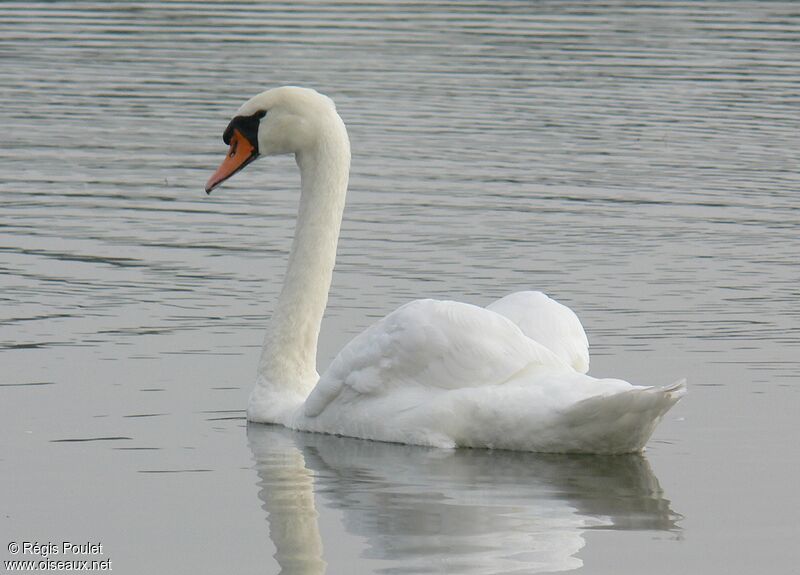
(437, 373)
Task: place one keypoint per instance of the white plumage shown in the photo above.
(548, 322)
(438, 373)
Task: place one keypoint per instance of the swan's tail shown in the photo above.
(623, 422)
(676, 390)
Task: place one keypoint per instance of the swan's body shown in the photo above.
(438, 373)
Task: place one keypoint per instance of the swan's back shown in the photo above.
(450, 374)
(548, 322)
(429, 345)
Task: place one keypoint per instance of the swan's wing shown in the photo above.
(548, 322)
(429, 345)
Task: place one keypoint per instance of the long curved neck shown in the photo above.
(287, 370)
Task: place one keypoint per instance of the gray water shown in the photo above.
(639, 162)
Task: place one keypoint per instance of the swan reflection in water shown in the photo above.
(424, 510)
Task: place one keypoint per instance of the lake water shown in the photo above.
(639, 162)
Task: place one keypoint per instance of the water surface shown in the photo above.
(636, 161)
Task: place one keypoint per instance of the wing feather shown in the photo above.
(548, 322)
(430, 344)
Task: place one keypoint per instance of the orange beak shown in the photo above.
(240, 153)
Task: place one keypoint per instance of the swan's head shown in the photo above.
(285, 120)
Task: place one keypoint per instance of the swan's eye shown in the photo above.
(246, 125)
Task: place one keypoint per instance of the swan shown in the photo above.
(512, 375)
